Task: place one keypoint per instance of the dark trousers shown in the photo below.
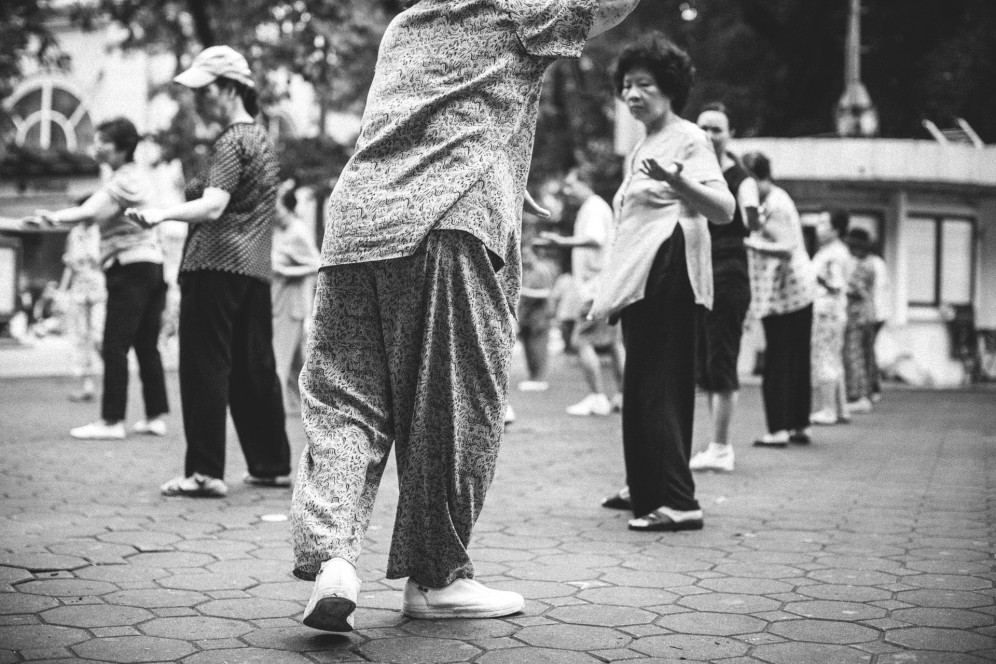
(659, 385)
(535, 342)
(785, 383)
(136, 297)
(226, 359)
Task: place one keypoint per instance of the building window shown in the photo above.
(940, 254)
(48, 116)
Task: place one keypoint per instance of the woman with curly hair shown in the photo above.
(659, 272)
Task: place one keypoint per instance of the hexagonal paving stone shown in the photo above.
(41, 562)
(95, 615)
(155, 598)
(464, 630)
(689, 647)
(823, 631)
(845, 593)
(948, 582)
(208, 582)
(944, 640)
(11, 575)
(415, 650)
(573, 637)
(745, 586)
(246, 656)
(527, 655)
(852, 577)
(24, 637)
(757, 571)
(93, 550)
(907, 657)
(949, 599)
(297, 638)
(249, 609)
(932, 617)
(15, 602)
(133, 649)
(727, 603)
(67, 587)
(829, 610)
(120, 573)
(796, 653)
(171, 559)
(718, 624)
(949, 567)
(605, 616)
(618, 596)
(191, 628)
(646, 578)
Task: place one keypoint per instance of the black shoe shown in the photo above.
(800, 438)
(617, 502)
(761, 442)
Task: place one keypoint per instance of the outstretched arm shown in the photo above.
(610, 13)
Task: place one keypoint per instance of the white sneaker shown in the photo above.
(593, 404)
(154, 427)
(825, 416)
(334, 597)
(464, 598)
(862, 405)
(509, 414)
(534, 386)
(195, 486)
(713, 457)
(99, 430)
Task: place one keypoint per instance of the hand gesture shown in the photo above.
(146, 218)
(40, 219)
(670, 174)
(532, 207)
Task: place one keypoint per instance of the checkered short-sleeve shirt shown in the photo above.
(243, 163)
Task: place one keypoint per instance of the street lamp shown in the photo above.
(856, 115)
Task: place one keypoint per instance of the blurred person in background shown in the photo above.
(132, 260)
(659, 273)
(882, 301)
(782, 291)
(226, 321)
(85, 297)
(535, 316)
(830, 266)
(295, 263)
(589, 247)
(859, 335)
(721, 328)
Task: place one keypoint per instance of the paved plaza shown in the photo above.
(874, 545)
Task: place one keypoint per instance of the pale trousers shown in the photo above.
(412, 352)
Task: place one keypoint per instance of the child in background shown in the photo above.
(85, 296)
(535, 317)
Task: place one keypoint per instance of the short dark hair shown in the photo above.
(669, 65)
(716, 106)
(250, 98)
(758, 164)
(839, 219)
(122, 133)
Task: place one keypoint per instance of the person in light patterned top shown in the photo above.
(413, 318)
(226, 326)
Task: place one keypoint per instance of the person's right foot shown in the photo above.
(464, 598)
(593, 404)
(333, 599)
(99, 430)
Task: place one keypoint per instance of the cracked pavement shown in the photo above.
(874, 545)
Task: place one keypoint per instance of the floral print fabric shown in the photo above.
(412, 352)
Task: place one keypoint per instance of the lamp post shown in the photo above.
(856, 115)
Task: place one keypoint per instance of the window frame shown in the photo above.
(938, 220)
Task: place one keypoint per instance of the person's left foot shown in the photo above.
(333, 598)
(664, 519)
(464, 598)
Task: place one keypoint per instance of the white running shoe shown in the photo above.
(333, 598)
(593, 404)
(99, 430)
(713, 457)
(195, 486)
(862, 405)
(464, 598)
(534, 386)
(825, 416)
(154, 427)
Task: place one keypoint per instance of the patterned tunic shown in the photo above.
(448, 128)
(780, 285)
(242, 163)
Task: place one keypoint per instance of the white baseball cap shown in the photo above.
(214, 62)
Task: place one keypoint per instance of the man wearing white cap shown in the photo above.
(413, 318)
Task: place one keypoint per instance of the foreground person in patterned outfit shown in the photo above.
(421, 269)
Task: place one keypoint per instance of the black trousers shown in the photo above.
(136, 297)
(785, 383)
(226, 360)
(659, 385)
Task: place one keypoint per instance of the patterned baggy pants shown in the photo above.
(414, 352)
